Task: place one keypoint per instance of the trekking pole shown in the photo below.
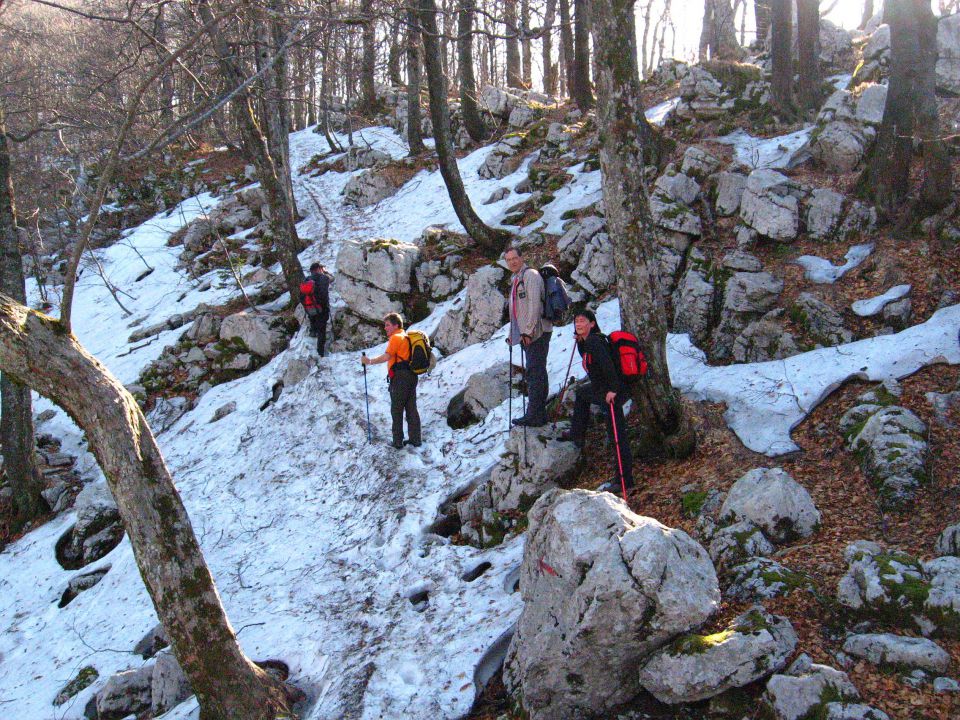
(366, 398)
(510, 391)
(566, 382)
(616, 443)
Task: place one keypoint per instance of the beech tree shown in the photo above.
(16, 404)
(580, 89)
(718, 36)
(468, 84)
(414, 63)
(781, 85)
(620, 124)
(910, 111)
(514, 78)
(808, 54)
(486, 237)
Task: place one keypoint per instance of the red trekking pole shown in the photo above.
(566, 382)
(616, 442)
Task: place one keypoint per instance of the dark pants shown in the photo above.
(318, 328)
(403, 399)
(588, 395)
(535, 357)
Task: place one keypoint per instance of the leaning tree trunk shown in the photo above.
(580, 85)
(936, 191)
(414, 62)
(808, 53)
(488, 238)
(468, 84)
(566, 46)
(513, 44)
(781, 84)
(620, 122)
(549, 69)
(887, 176)
(256, 149)
(16, 405)
(35, 350)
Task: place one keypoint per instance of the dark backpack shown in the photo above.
(628, 358)
(556, 301)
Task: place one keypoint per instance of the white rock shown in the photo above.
(126, 692)
(792, 697)
(824, 212)
(949, 541)
(596, 270)
(479, 315)
(168, 684)
(898, 651)
(730, 187)
(383, 263)
(870, 104)
(853, 711)
(774, 501)
(571, 244)
(259, 332)
(768, 207)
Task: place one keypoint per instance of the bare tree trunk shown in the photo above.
(645, 38)
(888, 173)
(35, 350)
(325, 90)
(718, 37)
(514, 78)
(620, 122)
(781, 85)
(486, 237)
(580, 85)
(257, 148)
(937, 188)
(566, 47)
(549, 69)
(808, 51)
(312, 85)
(867, 13)
(16, 405)
(393, 58)
(368, 61)
(166, 79)
(526, 44)
(761, 19)
(414, 139)
(468, 84)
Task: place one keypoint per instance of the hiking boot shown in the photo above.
(411, 442)
(567, 436)
(520, 421)
(397, 446)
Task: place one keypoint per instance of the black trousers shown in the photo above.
(403, 399)
(588, 395)
(535, 356)
(318, 327)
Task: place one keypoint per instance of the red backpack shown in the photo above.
(306, 295)
(627, 356)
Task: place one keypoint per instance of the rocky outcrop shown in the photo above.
(673, 194)
(125, 693)
(948, 543)
(484, 391)
(729, 192)
(596, 271)
(697, 667)
(761, 578)
(97, 531)
(576, 236)
(704, 97)
(477, 316)
(820, 321)
(806, 689)
(603, 588)
(169, 685)
(693, 299)
(846, 127)
(771, 205)
(261, 333)
(765, 339)
(775, 502)
(502, 159)
(747, 296)
(369, 188)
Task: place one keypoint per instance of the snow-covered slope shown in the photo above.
(317, 539)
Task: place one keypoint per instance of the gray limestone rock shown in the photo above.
(484, 391)
(730, 187)
(824, 213)
(571, 244)
(764, 339)
(670, 202)
(769, 205)
(840, 145)
(602, 589)
(774, 501)
(892, 448)
(125, 693)
(948, 543)
(698, 163)
(805, 689)
(368, 188)
(383, 263)
(898, 651)
(734, 544)
(596, 271)
(693, 300)
(761, 578)
(168, 684)
(261, 333)
(477, 316)
(824, 324)
(853, 711)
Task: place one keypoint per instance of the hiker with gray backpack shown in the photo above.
(537, 300)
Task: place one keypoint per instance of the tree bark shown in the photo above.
(937, 188)
(808, 53)
(16, 404)
(468, 84)
(580, 88)
(549, 69)
(566, 46)
(488, 238)
(368, 60)
(35, 350)
(718, 37)
(514, 78)
(781, 85)
(526, 44)
(761, 18)
(256, 149)
(393, 57)
(867, 14)
(414, 62)
(620, 122)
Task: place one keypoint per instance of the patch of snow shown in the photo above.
(777, 153)
(822, 271)
(871, 306)
(658, 114)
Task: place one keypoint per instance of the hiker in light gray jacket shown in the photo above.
(532, 332)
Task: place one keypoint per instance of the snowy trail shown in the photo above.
(316, 538)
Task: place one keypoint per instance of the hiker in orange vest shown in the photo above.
(403, 381)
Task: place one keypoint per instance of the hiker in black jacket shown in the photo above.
(605, 389)
(317, 304)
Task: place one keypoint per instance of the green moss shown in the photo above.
(82, 680)
(693, 502)
(698, 644)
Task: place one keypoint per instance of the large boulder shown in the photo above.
(693, 299)
(898, 652)
(169, 685)
(761, 578)
(775, 502)
(673, 194)
(262, 334)
(770, 205)
(747, 297)
(126, 693)
(805, 690)
(821, 321)
(697, 667)
(729, 192)
(97, 531)
(497, 102)
(477, 316)
(375, 274)
(484, 391)
(765, 339)
(948, 543)
(533, 462)
(368, 188)
(502, 159)
(602, 588)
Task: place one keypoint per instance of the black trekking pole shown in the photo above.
(366, 397)
(616, 443)
(510, 392)
(566, 382)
